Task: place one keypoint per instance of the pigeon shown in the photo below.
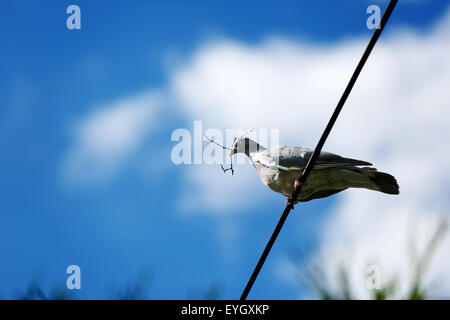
(279, 168)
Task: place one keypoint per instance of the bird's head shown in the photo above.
(245, 145)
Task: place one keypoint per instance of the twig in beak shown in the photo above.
(230, 168)
(211, 140)
(246, 133)
(223, 147)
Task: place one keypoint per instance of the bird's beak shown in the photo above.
(230, 154)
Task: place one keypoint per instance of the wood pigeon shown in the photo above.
(279, 168)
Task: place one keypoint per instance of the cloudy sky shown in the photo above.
(87, 118)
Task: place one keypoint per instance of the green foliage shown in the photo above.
(417, 290)
(34, 291)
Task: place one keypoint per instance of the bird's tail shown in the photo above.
(383, 182)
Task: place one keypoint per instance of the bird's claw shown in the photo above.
(289, 202)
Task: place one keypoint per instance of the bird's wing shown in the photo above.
(330, 160)
(288, 158)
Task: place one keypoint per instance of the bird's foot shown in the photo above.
(289, 202)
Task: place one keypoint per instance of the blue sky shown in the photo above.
(132, 221)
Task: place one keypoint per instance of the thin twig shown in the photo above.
(230, 168)
(211, 140)
(244, 134)
(225, 148)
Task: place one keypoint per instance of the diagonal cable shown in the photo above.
(309, 166)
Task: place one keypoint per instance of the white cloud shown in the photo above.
(213, 191)
(396, 117)
(231, 85)
(108, 136)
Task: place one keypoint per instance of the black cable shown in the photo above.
(309, 166)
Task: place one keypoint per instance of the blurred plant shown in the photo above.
(417, 289)
(35, 291)
(137, 290)
(213, 292)
(316, 277)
